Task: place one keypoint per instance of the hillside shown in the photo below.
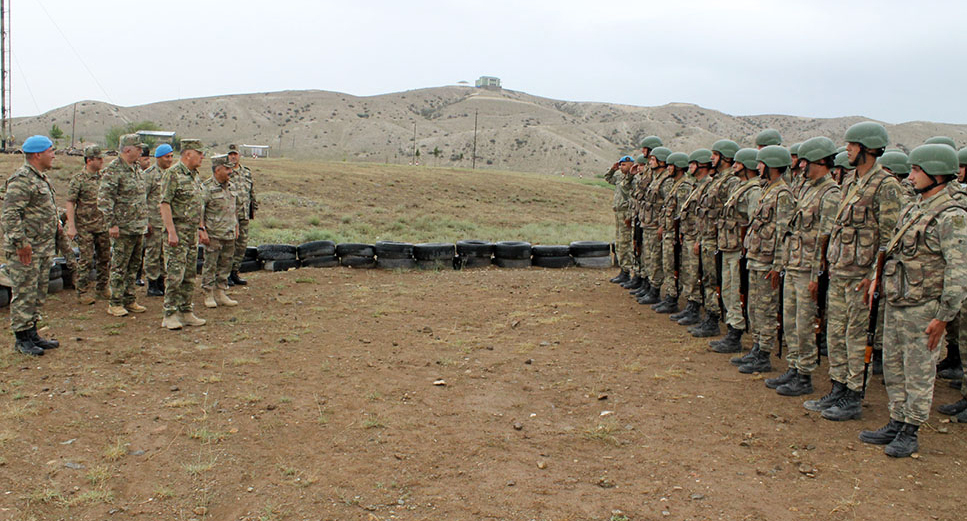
(516, 131)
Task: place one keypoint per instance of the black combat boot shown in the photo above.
(633, 283)
(882, 436)
(953, 354)
(708, 327)
(690, 307)
(669, 305)
(622, 277)
(952, 373)
(905, 442)
(41, 342)
(962, 417)
(746, 358)
(691, 317)
(156, 288)
(236, 280)
(877, 361)
(848, 407)
(838, 390)
(652, 297)
(642, 288)
(759, 364)
(800, 385)
(732, 343)
(784, 378)
(25, 345)
(953, 409)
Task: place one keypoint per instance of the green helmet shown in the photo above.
(661, 153)
(768, 137)
(868, 134)
(814, 149)
(794, 149)
(747, 156)
(841, 149)
(640, 159)
(775, 156)
(935, 159)
(941, 140)
(842, 160)
(678, 159)
(726, 147)
(701, 156)
(896, 161)
(650, 142)
(962, 156)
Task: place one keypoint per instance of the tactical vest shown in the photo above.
(711, 203)
(855, 237)
(669, 209)
(803, 228)
(730, 227)
(689, 213)
(762, 237)
(651, 206)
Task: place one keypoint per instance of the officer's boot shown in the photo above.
(784, 378)
(172, 321)
(759, 364)
(236, 280)
(210, 299)
(669, 305)
(633, 283)
(691, 316)
(41, 342)
(746, 358)
(709, 327)
(800, 385)
(882, 436)
(835, 393)
(848, 407)
(877, 361)
(732, 343)
(687, 311)
(223, 299)
(622, 277)
(25, 345)
(953, 409)
(962, 417)
(155, 289)
(188, 318)
(905, 442)
(652, 297)
(642, 289)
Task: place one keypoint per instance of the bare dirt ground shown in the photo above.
(316, 399)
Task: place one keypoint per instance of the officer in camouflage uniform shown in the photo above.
(85, 226)
(710, 212)
(677, 193)
(220, 222)
(121, 198)
(736, 217)
(864, 223)
(640, 175)
(181, 198)
(620, 176)
(29, 220)
(244, 185)
(640, 284)
(155, 238)
(812, 219)
(700, 170)
(925, 284)
(650, 213)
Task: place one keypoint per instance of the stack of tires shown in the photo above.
(392, 255)
(278, 257)
(434, 255)
(250, 260)
(512, 254)
(65, 272)
(355, 255)
(591, 254)
(474, 254)
(317, 254)
(56, 279)
(552, 256)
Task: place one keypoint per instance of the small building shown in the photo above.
(255, 150)
(488, 82)
(161, 135)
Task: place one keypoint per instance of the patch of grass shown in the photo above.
(18, 411)
(179, 403)
(314, 221)
(163, 492)
(251, 397)
(91, 497)
(305, 280)
(210, 379)
(207, 435)
(374, 396)
(46, 496)
(285, 399)
(603, 432)
(373, 423)
(200, 466)
(238, 362)
(6, 437)
(99, 474)
(670, 373)
(116, 450)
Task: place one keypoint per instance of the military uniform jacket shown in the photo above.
(690, 220)
(928, 256)
(655, 195)
(768, 227)
(244, 186)
(674, 200)
(152, 180)
(864, 222)
(29, 215)
(82, 191)
(639, 183)
(737, 214)
(121, 198)
(813, 218)
(622, 192)
(712, 203)
(181, 188)
(219, 206)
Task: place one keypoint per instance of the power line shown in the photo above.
(64, 36)
(26, 85)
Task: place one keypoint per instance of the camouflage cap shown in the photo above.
(92, 151)
(232, 149)
(129, 140)
(191, 144)
(221, 160)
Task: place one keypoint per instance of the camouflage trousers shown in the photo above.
(94, 249)
(909, 368)
(710, 279)
(218, 263)
(651, 256)
(691, 280)
(622, 243)
(798, 319)
(241, 242)
(125, 262)
(29, 288)
(180, 269)
(669, 286)
(64, 249)
(731, 287)
(763, 305)
(154, 253)
(846, 322)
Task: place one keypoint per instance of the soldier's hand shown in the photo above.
(628, 222)
(697, 250)
(25, 254)
(114, 232)
(935, 331)
(774, 278)
(661, 231)
(614, 167)
(814, 290)
(71, 232)
(149, 232)
(203, 237)
(172, 239)
(867, 288)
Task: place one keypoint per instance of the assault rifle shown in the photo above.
(718, 283)
(744, 281)
(779, 327)
(637, 236)
(676, 227)
(874, 306)
(819, 325)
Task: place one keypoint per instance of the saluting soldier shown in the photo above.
(620, 176)
(650, 216)
(244, 184)
(677, 193)
(154, 240)
(638, 174)
(700, 170)
(220, 223)
(643, 176)
(85, 226)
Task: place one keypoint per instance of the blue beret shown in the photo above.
(162, 150)
(35, 144)
(626, 159)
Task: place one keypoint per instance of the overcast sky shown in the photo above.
(890, 60)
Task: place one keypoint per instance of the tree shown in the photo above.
(113, 135)
(56, 132)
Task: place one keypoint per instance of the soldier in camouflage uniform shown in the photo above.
(121, 198)
(768, 137)
(220, 222)
(640, 174)
(677, 193)
(654, 194)
(864, 223)
(640, 284)
(620, 176)
(700, 170)
(181, 197)
(925, 284)
(29, 220)
(244, 185)
(154, 239)
(897, 163)
(85, 226)
(812, 219)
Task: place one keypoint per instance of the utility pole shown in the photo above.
(4, 74)
(473, 157)
(73, 125)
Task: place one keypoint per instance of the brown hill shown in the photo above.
(516, 131)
